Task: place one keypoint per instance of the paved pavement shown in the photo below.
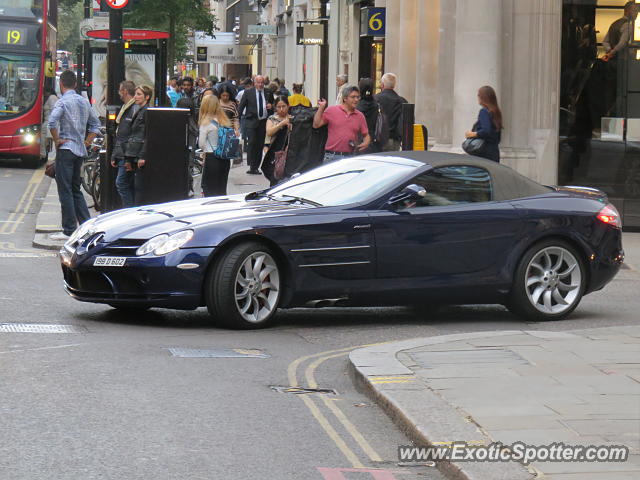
(579, 387)
(49, 219)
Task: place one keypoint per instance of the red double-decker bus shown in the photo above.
(27, 65)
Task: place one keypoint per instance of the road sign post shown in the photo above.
(115, 75)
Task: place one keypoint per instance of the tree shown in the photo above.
(177, 17)
(69, 16)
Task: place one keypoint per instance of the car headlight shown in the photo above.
(163, 244)
(81, 231)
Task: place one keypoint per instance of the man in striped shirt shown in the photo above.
(70, 120)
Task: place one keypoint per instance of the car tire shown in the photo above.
(549, 282)
(243, 287)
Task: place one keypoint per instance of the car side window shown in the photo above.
(453, 185)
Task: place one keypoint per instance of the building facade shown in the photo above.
(569, 116)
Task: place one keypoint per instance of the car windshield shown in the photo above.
(21, 8)
(352, 180)
(18, 83)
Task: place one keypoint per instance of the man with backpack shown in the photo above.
(391, 106)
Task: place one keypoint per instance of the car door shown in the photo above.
(331, 243)
(455, 229)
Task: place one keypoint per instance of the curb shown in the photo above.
(409, 402)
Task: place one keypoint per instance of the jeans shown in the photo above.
(125, 184)
(128, 185)
(72, 204)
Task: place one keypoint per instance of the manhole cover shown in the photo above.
(217, 353)
(302, 390)
(39, 328)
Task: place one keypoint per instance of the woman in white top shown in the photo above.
(216, 170)
(48, 107)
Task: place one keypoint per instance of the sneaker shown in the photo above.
(253, 172)
(59, 236)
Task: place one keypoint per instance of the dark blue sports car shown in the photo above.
(386, 229)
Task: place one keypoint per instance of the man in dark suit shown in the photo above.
(257, 105)
(391, 105)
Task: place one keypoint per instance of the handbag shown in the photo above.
(50, 170)
(473, 146)
(280, 160)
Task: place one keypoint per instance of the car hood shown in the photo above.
(148, 221)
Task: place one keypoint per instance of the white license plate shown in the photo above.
(109, 261)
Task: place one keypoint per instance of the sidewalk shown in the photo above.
(580, 388)
(49, 218)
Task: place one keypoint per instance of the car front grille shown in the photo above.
(123, 247)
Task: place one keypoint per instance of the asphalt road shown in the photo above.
(110, 401)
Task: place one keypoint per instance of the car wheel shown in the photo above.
(549, 282)
(242, 290)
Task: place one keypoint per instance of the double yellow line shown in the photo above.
(10, 226)
(331, 404)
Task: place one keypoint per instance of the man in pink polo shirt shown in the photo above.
(346, 124)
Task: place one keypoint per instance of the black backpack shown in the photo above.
(381, 133)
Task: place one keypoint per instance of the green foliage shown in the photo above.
(177, 17)
(70, 13)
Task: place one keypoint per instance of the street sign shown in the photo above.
(262, 30)
(130, 34)
(372, 22)
(117, 4)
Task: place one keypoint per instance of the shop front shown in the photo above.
(599, 124)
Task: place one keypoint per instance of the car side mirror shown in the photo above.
(411, 192)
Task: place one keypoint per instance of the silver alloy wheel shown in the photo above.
(553, 280)
(257, 287)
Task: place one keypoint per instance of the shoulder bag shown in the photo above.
(280, 160)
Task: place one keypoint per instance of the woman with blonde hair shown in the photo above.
(216, 170)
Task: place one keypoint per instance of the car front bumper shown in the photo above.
(174, 280)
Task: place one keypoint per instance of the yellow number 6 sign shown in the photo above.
(375, 23)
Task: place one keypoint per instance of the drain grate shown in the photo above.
(39, 328)
(302, 390)
(217, 353)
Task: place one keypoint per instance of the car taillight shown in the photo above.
(610, 216)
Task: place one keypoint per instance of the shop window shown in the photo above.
(600, 100)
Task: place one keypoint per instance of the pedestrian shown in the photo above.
(273, 87)
(391, 106)
(187, 90)
(341, 81)
(283, 91)
(216, 170)
(347, 128)
(278, 129)
(256, 104)
(134, 149)
(489, 124)
(50, 102)
(125, 177)
(298, 98)
(369, 108)
(200, 85)
(172, 91)
(70, 120)
(230, 107)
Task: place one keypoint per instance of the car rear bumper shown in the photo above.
(605, 263)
